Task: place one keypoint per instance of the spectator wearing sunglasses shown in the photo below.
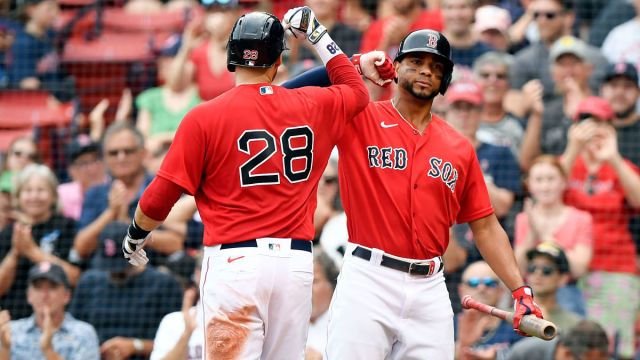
(115, 200)
(605, 184)
(22, 152)
(479, 334)
(547, 271)
(553, 20)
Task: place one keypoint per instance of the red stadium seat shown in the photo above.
(28, 109)
(7, 136)
(120, 20)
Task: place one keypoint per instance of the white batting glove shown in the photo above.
(133, 250)
(301, 21)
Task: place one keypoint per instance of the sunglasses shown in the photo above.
(489, 282)
(545, 269)
(497, 76)
(126, 151)
(549, 15)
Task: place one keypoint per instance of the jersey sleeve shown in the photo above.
(348, 95)
(185, 159)
(475, 203)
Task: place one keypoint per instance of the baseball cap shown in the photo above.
(80, 145)
(552, 251)
(568, 45)
(48, 271)
(466, 91)
(594, 106)
(621, 69)
(109, 257)
(491, 17)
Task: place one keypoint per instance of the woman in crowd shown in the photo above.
(204, 50)
(38, 233)
(546, 218)
(606, 185)
(22, 152)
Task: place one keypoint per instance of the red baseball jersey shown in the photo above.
(252, 157)
(402, 191)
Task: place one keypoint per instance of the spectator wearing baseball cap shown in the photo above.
(548, 271)
(86, 169)
(570, 68)
(553, 19)
(620, 88)
(123, 302)
(492, 26)
(604, 183)
(49, 333)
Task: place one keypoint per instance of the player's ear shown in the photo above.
(396, 65)
(278, 62)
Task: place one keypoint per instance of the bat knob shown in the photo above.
(465, 302)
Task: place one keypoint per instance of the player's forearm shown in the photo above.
(145, 222)
(494, 247)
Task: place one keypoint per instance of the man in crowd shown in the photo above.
(50, 332)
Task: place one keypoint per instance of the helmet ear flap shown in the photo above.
(446, 80)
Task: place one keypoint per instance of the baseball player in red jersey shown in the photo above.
(252, 157)
(406, 176)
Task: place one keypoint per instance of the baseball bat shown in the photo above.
(529, 324)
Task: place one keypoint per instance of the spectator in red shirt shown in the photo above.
(606, 185)
(203, 50)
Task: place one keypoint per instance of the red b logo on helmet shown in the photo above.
(433, 41)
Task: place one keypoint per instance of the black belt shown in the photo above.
(296, 244)
(426, 267)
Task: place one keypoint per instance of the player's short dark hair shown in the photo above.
(328, 266)
(119, 126)
(583, 337)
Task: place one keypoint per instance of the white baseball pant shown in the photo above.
(382, 313)
(256, 301)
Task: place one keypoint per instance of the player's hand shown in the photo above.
(375, 66)
(133, 250)
(302, 22)
(524, 305)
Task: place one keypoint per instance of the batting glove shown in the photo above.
(375, 66)
(301, 21)
(133, 245)
(524, 305)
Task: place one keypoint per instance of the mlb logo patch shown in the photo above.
(266, 90)
(275, 247)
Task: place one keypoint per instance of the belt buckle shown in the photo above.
(430, 263)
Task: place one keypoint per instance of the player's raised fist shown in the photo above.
(375, 66)
(302, 22)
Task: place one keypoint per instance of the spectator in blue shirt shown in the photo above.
(49, 333)
(35, 62)
(125, 303)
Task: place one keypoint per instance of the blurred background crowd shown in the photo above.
(92, 91)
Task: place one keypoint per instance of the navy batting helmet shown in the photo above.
(429, 41)
(256, 40)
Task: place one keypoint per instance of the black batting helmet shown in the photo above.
(256, 40)
(429, 41)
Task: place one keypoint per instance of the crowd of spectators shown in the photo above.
(547, 91)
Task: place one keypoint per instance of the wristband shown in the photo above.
(135, 232)
(327, 49)
(355, 60)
